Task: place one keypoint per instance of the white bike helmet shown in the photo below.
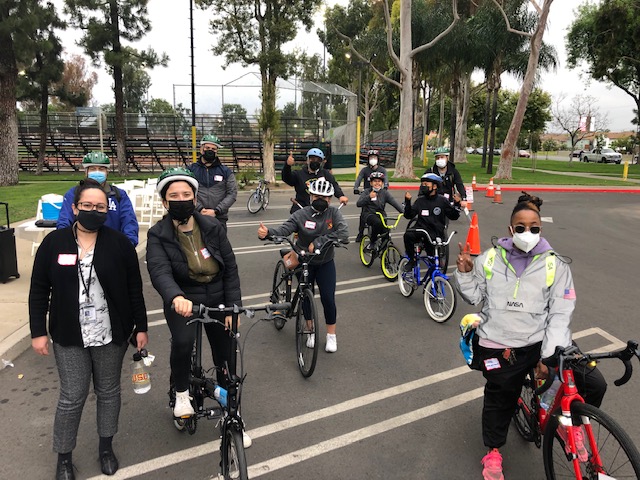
(321, 187)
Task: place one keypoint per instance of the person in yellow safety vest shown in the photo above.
(528, 298)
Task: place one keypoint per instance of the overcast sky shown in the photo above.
(170, 34)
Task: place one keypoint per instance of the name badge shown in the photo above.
(446, 195)
(424, 213)
(88, 313)
(491, 363)
(66, 259)
(205, 253)
(373, 199)
(309, 225)
(218, 178)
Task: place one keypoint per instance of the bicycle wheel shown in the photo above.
(279, 290)
(254, 204)
(234, 461)
(389, 262)
(366, 255)
(265, 198)
(618, 456)
(439, 299)
(307, 341)
(406, 280)
(524, 416)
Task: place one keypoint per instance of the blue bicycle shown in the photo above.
(439, 295)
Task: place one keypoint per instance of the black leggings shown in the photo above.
(324, 275)
(182, 338)
(377, 228)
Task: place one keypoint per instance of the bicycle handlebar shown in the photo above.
(438, 240)
(572, 355)
(277, 239)
(384, 222)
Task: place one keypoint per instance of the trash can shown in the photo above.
(8, 257)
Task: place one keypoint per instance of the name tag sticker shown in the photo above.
(67, 259)
(218, 178)
(424, 213)
(491, 363)
(309, 225)
(205, 253)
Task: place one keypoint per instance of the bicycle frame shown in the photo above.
(431, 262)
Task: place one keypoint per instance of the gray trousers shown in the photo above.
(76, 365)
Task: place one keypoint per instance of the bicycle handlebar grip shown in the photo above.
(547, 384)
(628, 370)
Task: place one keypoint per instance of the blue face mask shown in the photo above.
(99, 177)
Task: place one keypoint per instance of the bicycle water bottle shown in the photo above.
(220, 394)
(548, 397)
(139, 375)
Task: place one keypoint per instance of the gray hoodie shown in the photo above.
(518, 311)
(318, 228)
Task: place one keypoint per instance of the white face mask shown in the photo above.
(376, 189)
(441, 162)
(373, 162)
(526, 240)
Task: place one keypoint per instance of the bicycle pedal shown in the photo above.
(214, 413)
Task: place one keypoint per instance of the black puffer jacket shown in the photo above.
(169, 271)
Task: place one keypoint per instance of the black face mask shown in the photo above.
(181, 210)
(319, 205)
(424, 190)
(314, 166)
(91, 220)
(210, 156)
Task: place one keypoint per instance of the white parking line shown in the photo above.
(311, 451)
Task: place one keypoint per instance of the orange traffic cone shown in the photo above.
(497, 197)
(473, 237)
(474, 185)
(490, 189)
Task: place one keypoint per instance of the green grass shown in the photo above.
(527, 171)
(23, 198)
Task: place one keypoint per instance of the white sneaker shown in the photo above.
(183, 407)
(332, 343)
(246, 440)
(311, 341)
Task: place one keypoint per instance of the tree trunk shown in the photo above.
(455, 94)
(268, 123)
(461, 119)
(441, 119)
(508, 149)
(487, 116)
(44, 110)
(118, 86)
(492, 139)
(404, 158)
(8, 118)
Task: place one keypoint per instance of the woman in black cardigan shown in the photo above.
(87, 278)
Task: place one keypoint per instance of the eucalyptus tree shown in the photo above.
(105, 24)
(24, 26)
(403, 63)
(255, 33)
(541, 8)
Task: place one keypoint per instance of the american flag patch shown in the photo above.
(569, 294)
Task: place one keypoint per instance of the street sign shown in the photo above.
(87, 111)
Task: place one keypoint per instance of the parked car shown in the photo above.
(479, 150)
(470, 150)
(577, 154)
(602, 155)
(524, 154)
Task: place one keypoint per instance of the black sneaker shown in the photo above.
(64, 471)
(359, 238)
(409, 266)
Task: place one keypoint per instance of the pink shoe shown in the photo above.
(492, 463)
(578, 434)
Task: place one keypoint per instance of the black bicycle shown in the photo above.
(303, 306)
(226, 405)
(259, 199)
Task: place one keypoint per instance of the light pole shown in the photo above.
(193, 89)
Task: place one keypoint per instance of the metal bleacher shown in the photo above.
(156, 142)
